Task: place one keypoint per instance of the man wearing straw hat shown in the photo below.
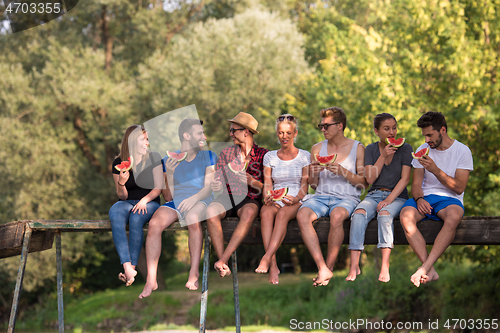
(240, 188)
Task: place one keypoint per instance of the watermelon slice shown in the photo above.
(324, 160)
(238, 167)
(396, 143)
(178, 156)
(277, 195)
(421, 152)
(125, 165)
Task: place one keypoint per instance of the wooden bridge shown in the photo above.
(23, 237)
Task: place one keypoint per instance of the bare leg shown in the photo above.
(267, 217)
(215, 213)
(336, 234)
(451, 215)
(161, 220)
(195, 241)
(354, 270)
(384, 275)
(305, 218)
(247, 214)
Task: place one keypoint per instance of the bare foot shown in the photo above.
(263, 266)
(148, 289)
(274, 274)
(353, 273)
(432, 275)
(419, 276)
(130, 274)
(192, 282)
(324, 276)
(222, 268)
(122, 277)
(384, 275)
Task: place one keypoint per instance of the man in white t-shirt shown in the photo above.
(439, 182)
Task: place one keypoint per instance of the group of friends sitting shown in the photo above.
(198, 185)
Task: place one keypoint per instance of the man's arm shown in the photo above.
(358, 178)
(418, 194)
(314, 167)
(457, 184)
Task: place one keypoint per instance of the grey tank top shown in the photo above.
(338, 186)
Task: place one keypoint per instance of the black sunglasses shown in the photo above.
(232, 130)
(325, 126)
(289, 118)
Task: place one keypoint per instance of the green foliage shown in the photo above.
(245, 63)
(407, 57)
(454, 295)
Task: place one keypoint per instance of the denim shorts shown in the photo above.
(437, 203)
(322, 205)
(181, 216)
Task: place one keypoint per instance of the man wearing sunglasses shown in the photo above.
(241, 190)
(338, 186)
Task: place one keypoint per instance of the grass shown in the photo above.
(465, 290)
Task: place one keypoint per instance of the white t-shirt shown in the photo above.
(458, 156)
(287, 173)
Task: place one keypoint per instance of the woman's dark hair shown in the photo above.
(377, 121)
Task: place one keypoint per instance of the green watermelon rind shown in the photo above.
(395, 146)
(237, 171)
(415, 156)
(332, 159)
(175, 155)
(130, 160)
(280, 197)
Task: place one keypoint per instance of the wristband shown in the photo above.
(416, 200)
(121, 184)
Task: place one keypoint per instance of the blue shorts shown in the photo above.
(437, 203)
(181, 216)
(322, 205)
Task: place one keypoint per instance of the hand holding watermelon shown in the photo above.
(171, 164)
(428, 163)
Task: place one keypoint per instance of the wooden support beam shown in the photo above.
(473, 230)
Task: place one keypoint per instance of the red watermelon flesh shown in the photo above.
(324, 160)
(238, 167)
(125, 165)
(421, 152)
(178, 156)
(278, 195)
(396, 143)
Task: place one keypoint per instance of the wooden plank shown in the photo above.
(473, 230)
(11, 238)
(11, 234)
(84, 225)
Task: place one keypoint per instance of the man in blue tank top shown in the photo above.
(338, 186)
(189, 191)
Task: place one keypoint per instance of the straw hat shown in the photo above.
(246, 120)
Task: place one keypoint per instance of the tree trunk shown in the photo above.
(107, 39)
